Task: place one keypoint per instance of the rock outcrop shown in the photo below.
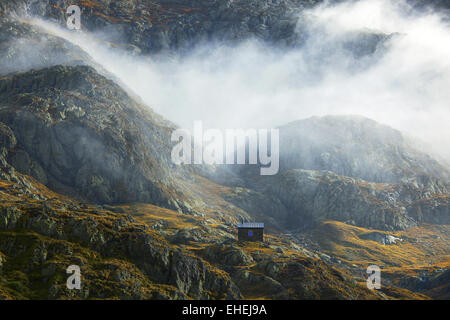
(314, 196)
(60, 235)
(78, 131)
(146, 27)
(349, 169)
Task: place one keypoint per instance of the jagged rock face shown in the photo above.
(313, 196)
(170, 27)
(77, 131)
(7, 139)
(167, 24)
(24, 185)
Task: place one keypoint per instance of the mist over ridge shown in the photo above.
(380, 59)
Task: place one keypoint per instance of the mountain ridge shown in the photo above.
(86, 178)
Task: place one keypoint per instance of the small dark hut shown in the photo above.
(251, 231)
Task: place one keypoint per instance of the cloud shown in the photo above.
(403, 83)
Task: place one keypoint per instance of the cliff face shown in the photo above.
(320, 195)
(149, 27)
(171, 24)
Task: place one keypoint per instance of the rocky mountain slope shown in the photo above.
(414, 259)
(149, 27)
(128, 256)
(315, 195)
(64, 131)
(86, 178)
(349, 169)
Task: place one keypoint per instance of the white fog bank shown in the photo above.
(404, 84)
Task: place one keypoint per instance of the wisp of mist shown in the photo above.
(405, 83)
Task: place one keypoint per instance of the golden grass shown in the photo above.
(419, 244)
(151, 214)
